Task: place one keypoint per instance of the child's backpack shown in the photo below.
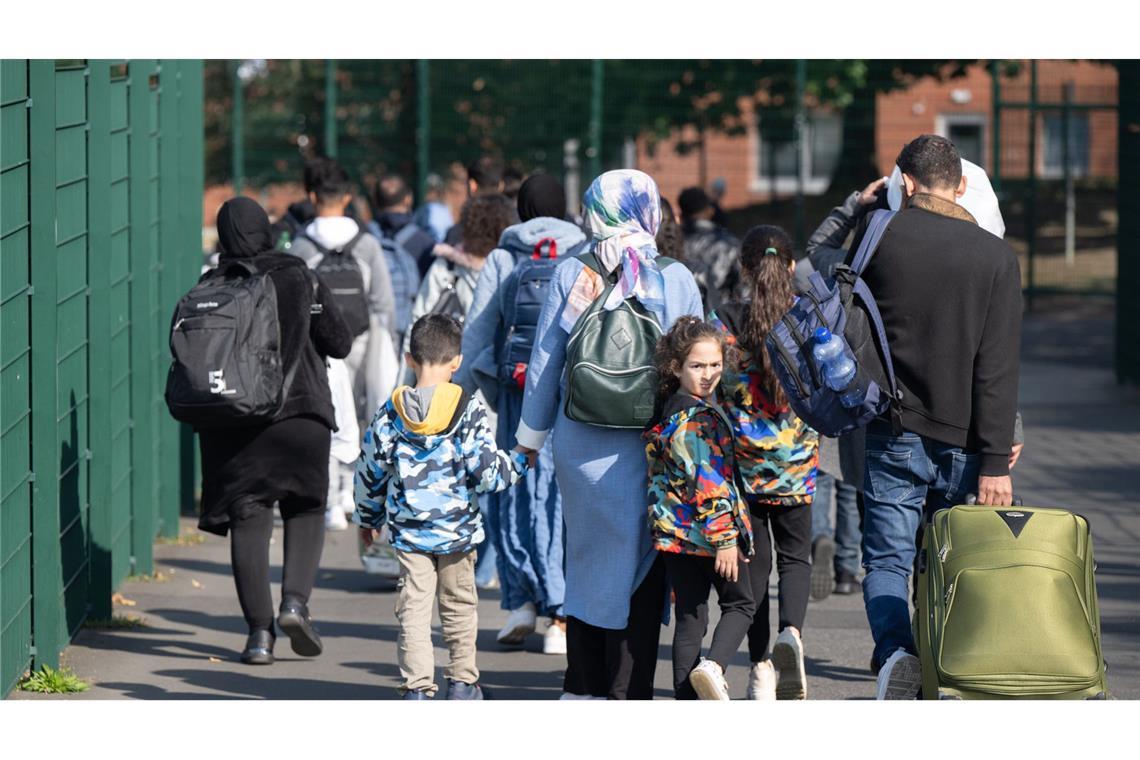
(448, 303)
(341, 272)
(404, 273)
(844, 305)
(524, 293)
(611, 379)
(225, 340)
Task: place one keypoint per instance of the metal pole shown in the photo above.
(594, 148)
(237, 130)
(995, 162)
(423, 128)
(330, 108)
(801, 164)
(1031, 199)
(1066, 163)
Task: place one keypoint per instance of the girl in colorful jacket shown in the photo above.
(777, 455)
(697, 520)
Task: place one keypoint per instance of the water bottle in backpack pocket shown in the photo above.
(830, 353)
(225, 340)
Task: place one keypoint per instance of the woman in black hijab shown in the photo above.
(246, 469)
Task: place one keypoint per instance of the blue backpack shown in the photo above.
(524, 293)
(404, 273)
(844, 305)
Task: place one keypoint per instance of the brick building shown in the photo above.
(960, 109)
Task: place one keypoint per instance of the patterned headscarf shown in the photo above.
(623, 212)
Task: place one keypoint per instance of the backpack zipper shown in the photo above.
(801, 343)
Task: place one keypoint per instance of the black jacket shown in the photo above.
(950, 297)
(305, 339)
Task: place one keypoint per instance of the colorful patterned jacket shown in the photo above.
(423, 477)
(776, 452)
(694, 504)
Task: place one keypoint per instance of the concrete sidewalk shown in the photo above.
(1082, 453)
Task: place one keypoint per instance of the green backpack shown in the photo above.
(611, 380)
(1007, 606)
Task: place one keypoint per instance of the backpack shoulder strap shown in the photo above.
(405, 234)
(876, 226)
(460, 409)
(347, 247)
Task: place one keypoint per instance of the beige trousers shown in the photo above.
(423, 578)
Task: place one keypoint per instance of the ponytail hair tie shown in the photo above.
(771, 252)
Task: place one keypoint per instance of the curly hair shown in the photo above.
(765, 261)
(675, 345)
(483, 219)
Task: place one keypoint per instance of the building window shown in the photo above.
(1052, 159)
(819, 156)
(968, 133)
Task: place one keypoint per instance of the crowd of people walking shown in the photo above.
(577, 404)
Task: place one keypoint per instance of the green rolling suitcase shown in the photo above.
(1007, 606)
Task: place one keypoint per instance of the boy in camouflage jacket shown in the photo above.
(427, 455)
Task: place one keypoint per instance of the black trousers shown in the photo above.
(691, 578)
(249, 554)
(618, 664)
(791, 529)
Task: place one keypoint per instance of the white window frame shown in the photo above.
(785, 183)
(943, 122)
(1044, 171)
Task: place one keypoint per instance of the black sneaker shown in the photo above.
(822, 556)
(845, 583)
(294, 620)
(259, 648)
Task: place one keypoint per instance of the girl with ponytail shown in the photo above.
(776, 454)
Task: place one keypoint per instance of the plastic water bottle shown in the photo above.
(837, 367)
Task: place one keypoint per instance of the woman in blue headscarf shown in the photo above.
(615, 590)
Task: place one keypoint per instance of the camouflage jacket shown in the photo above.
(694, 503)
(426, 486)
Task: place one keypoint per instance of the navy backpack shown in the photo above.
(844, 305)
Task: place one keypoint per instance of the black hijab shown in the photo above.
(541, 195)
(243, 229)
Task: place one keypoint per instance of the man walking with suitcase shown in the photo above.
(950, 297)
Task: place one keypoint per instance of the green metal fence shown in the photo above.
(100, 231)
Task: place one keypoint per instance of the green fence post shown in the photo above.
(1031, 199)
(170, 282)
(995, 161)
(237, 129)
(801, 124)
(594, 143)
(142, 393)
(191, 158)
(47, 571)
(99, 324)
(423, 127)
(330, 108)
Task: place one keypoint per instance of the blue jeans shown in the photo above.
(900, 471)
(847, 533)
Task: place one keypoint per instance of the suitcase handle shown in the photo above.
(972, 498)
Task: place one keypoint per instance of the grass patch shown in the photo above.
(186, 539)
(47, 680)
(156, 577)
(116, 621)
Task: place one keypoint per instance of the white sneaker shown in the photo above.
(900, 677)
(788, 659)
(762, 682)
(519, 625)
(554, 640)
(708, 681)
(335, 519)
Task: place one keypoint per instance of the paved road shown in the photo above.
(1083, 450)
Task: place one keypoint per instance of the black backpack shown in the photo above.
(225, 340)
(340, 271)
(448, 302)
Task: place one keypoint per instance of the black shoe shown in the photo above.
(259, 648)
(298, 626)
(822, 556)
(845, 583)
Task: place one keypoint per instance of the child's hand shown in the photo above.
(530, 454)
(727, 562)
(367, 536)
